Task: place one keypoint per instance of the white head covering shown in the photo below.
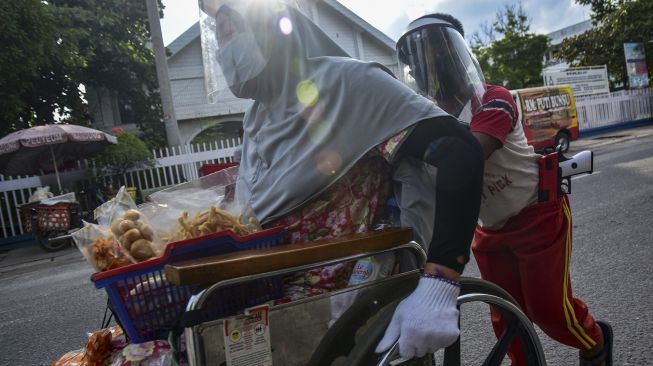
(316, 112)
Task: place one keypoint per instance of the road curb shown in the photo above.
(28, 266)
(33, 255)
(613, 136)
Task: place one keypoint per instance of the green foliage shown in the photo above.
(209, 135)
(147, 110)
(129, 153)
(601, 8)
(615, 22)
(509, 54)
(51, 48)
(37, 65)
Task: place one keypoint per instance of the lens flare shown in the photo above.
(285, 25)
(307, 93)
(318, 132)
(313, 114)
(329, 162)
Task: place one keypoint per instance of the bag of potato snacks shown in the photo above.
(132, 229)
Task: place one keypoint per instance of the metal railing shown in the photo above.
(614, 108)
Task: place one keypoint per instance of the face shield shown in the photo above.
(231, 50)
(435, 61)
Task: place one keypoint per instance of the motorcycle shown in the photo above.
(52, 221)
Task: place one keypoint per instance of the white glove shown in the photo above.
(425, 321)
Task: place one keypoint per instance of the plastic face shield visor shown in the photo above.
(435, 61)
(231, 53)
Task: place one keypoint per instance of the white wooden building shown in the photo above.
(194, 114)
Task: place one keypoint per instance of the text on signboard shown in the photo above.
(547, 102)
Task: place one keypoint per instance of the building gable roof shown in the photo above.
(184, 39)
(194, 31)
(367, 27)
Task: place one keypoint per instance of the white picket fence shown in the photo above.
(182, 163)
(615, 108)
(172, 166)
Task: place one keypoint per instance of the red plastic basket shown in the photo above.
(54, 217)
(147, 306)
(207, 169)
(26, 216)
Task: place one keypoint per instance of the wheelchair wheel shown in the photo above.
(353, 338)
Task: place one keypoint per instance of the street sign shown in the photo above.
(582, 80)
(636, 65)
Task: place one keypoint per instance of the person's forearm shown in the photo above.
(457, 203)
(488, 143)
(458, 156)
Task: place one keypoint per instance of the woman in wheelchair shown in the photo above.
(326, 140)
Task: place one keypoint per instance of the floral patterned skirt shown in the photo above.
(349, 206)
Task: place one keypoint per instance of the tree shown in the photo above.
(129, 153)
(37, 62)
(60, 45)
(614, 23)
(509, 54)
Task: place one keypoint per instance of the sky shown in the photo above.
(392, 16)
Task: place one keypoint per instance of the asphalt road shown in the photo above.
(48, 306)
(612, 245)
(46, 310)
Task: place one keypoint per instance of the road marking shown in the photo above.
(585, 175)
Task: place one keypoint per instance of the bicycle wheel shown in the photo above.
(355, 335)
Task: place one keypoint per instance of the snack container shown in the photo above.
(148, 307)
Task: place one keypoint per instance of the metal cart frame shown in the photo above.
(379, 299)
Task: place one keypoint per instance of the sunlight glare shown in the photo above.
(285, 25)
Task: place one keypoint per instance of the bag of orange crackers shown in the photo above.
(98, 246)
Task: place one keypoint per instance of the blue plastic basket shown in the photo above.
(147, 306)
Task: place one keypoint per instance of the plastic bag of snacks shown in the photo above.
(152, 353)
(72, 358)
(102, 213)
(132, 230)
(99, 248)
(109, 347)
(100, 347)
(200, 207)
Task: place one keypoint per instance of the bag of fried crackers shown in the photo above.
(98, 246)
(201, 207)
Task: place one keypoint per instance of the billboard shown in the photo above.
(582, 80)
(636, 65)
